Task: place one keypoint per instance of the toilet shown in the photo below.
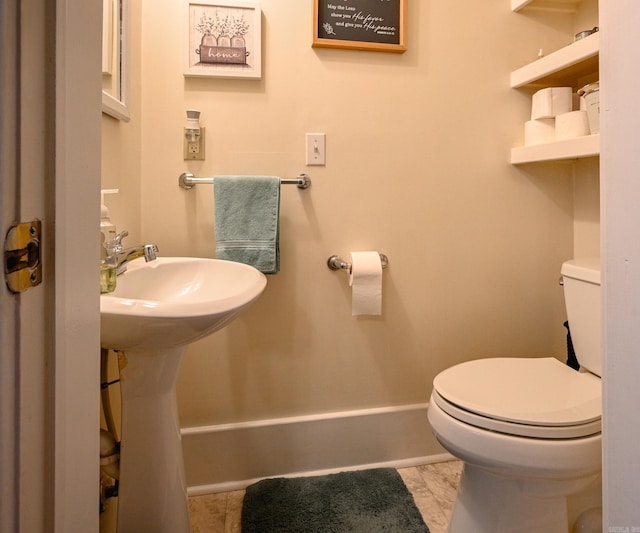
(528, 429)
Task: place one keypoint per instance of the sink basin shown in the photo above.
(156, 310)
(174, 301)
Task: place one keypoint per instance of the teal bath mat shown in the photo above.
(367, 501)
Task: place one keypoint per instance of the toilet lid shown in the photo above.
(536, 392)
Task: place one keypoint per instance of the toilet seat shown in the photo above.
(530, 397)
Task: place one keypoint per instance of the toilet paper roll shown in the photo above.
(365, 281)
(539, 131)
(550, 102)
(571, 125)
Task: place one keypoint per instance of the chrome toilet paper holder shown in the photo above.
(335, 262)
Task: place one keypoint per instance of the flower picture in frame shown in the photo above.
(224, 39)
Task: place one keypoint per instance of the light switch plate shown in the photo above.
(316, 149)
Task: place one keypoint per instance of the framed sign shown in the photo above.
(224, 39)
(360, 24)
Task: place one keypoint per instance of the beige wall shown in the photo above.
(417, 168)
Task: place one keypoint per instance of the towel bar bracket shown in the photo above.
(335, 262)
(303, 181)
(187, 180)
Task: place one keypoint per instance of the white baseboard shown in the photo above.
(232, 456)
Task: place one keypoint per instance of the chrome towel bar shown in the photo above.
(335, 262)
(187, 181)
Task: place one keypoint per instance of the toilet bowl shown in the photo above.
(527, 429)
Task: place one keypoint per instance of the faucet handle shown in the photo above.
(150, 252)
(118, 238)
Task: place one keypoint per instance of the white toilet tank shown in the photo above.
(582, 297)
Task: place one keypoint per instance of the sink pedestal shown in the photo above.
(153, 489)
(156, 310)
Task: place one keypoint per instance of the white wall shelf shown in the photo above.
(559, 6)
(562, 67)
(571, 66)
(587, 146)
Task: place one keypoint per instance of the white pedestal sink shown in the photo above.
(156, 310)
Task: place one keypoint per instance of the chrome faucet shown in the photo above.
(124, 255)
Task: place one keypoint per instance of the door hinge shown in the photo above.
(22, 266)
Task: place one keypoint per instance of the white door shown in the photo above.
(49, 334)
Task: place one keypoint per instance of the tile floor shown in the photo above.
(433, 487)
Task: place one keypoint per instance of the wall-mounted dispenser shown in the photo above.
(193, 136)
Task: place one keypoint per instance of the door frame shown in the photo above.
(620, 230)
(78, 137)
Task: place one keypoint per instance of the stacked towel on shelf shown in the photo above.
(247, 220)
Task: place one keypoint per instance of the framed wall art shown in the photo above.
(378, 26)
(224, 39)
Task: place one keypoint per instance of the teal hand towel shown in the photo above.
(247, 220)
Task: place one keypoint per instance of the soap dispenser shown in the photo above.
(108, 267)
(107, 247)
(107, 229)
